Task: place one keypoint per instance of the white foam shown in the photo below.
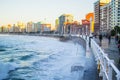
(67, 55)
(62, 57)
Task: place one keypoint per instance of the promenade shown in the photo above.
(110, 49)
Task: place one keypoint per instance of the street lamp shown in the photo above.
(86, 30)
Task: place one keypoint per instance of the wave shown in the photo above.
(1, 49)
(26, 57)
(5, 68)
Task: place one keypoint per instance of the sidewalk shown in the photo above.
(111, 49)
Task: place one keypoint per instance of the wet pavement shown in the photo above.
(110, 49)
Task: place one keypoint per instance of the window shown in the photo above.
(118, 20)
(118, 14)
(118, 17)
(118, 11)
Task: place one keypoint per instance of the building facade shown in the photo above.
(72, 28)
(21, 26)
(29, 27)
(115, 13)
(97, 12)
(65, 18)
(103, 15)
(110, 15)
(87, 26)
(45, 27)
(56, 24)
(97, 16)
(105, 18)
(37, 27)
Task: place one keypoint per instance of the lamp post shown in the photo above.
(86, 29)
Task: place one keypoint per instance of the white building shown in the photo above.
(38, 27)
(109, 14)
(115, 13)
(29, 27)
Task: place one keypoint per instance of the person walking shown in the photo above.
(109, 38)
(119, 51)
(100, 39)
(119, 45)
(116, 39)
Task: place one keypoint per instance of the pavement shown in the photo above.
(110, 49)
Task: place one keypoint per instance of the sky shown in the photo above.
(12, 11)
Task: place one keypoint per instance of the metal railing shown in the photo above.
(105, 66)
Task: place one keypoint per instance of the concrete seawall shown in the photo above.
(91, 66)
(80, 41)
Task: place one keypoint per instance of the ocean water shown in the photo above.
(40, 58)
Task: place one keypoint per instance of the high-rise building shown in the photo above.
(65, 18)
(21, 26)
(97, 11)
(38, 27)
(115, 13)
(110, 15)
(9, 27)
(3, 29)
(29, 27)
(104, 2)
(15, 28)
(56, 24)
(101, 10)
(105, 18)
(97, 16)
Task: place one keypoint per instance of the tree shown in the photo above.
(117, 29)
(113, 32)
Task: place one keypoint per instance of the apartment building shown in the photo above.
(65, 18)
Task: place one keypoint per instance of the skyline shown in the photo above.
(13, 11)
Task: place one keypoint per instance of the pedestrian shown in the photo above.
(100, 38)
(91, 36)
(109, 38)
(119, 45)
(116, 39)
(119, 41)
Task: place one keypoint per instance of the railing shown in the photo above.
(105, 66)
